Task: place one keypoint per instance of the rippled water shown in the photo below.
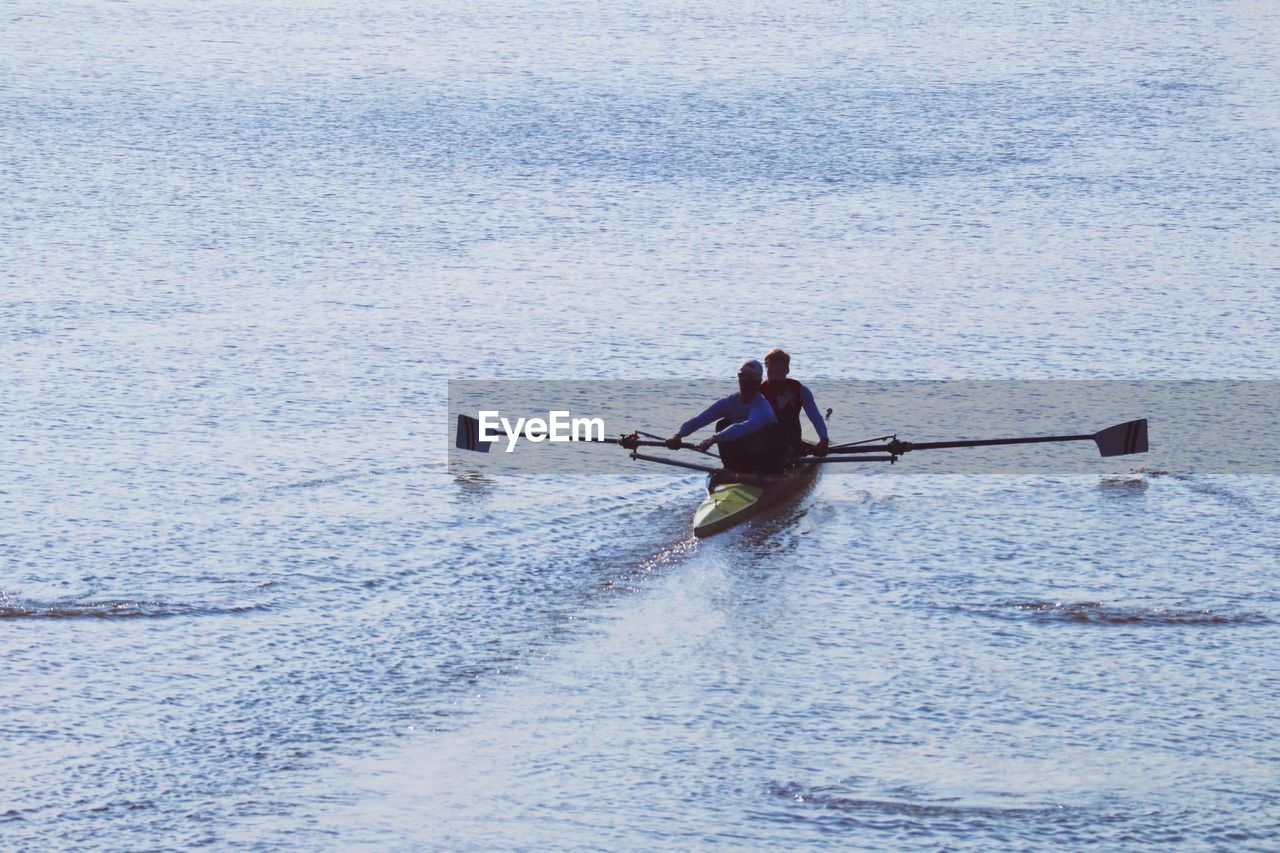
(243, 247)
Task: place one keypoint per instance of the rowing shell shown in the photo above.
(729, 504)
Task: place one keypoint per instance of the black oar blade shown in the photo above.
(1123, 439)
(469, 435)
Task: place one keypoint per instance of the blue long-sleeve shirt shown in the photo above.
(747, 417)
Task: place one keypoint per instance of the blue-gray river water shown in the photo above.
(243, 248)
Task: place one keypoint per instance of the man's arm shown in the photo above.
(815, 416)
(760, 415)
(712, 414)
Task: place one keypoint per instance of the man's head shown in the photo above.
(750, 376)
(778, 364)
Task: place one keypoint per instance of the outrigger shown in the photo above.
(733, 497)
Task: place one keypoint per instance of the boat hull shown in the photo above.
(729, 504)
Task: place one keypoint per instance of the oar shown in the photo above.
(665, 461)
(468, 438)
(1119, 440)
(683, 445)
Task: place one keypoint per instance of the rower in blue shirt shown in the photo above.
(744, 426)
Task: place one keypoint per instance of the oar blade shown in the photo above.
(469, 435)
(1123, 439)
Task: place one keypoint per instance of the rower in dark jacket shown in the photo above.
(788, 398)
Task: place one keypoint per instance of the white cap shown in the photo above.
(752, 367)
